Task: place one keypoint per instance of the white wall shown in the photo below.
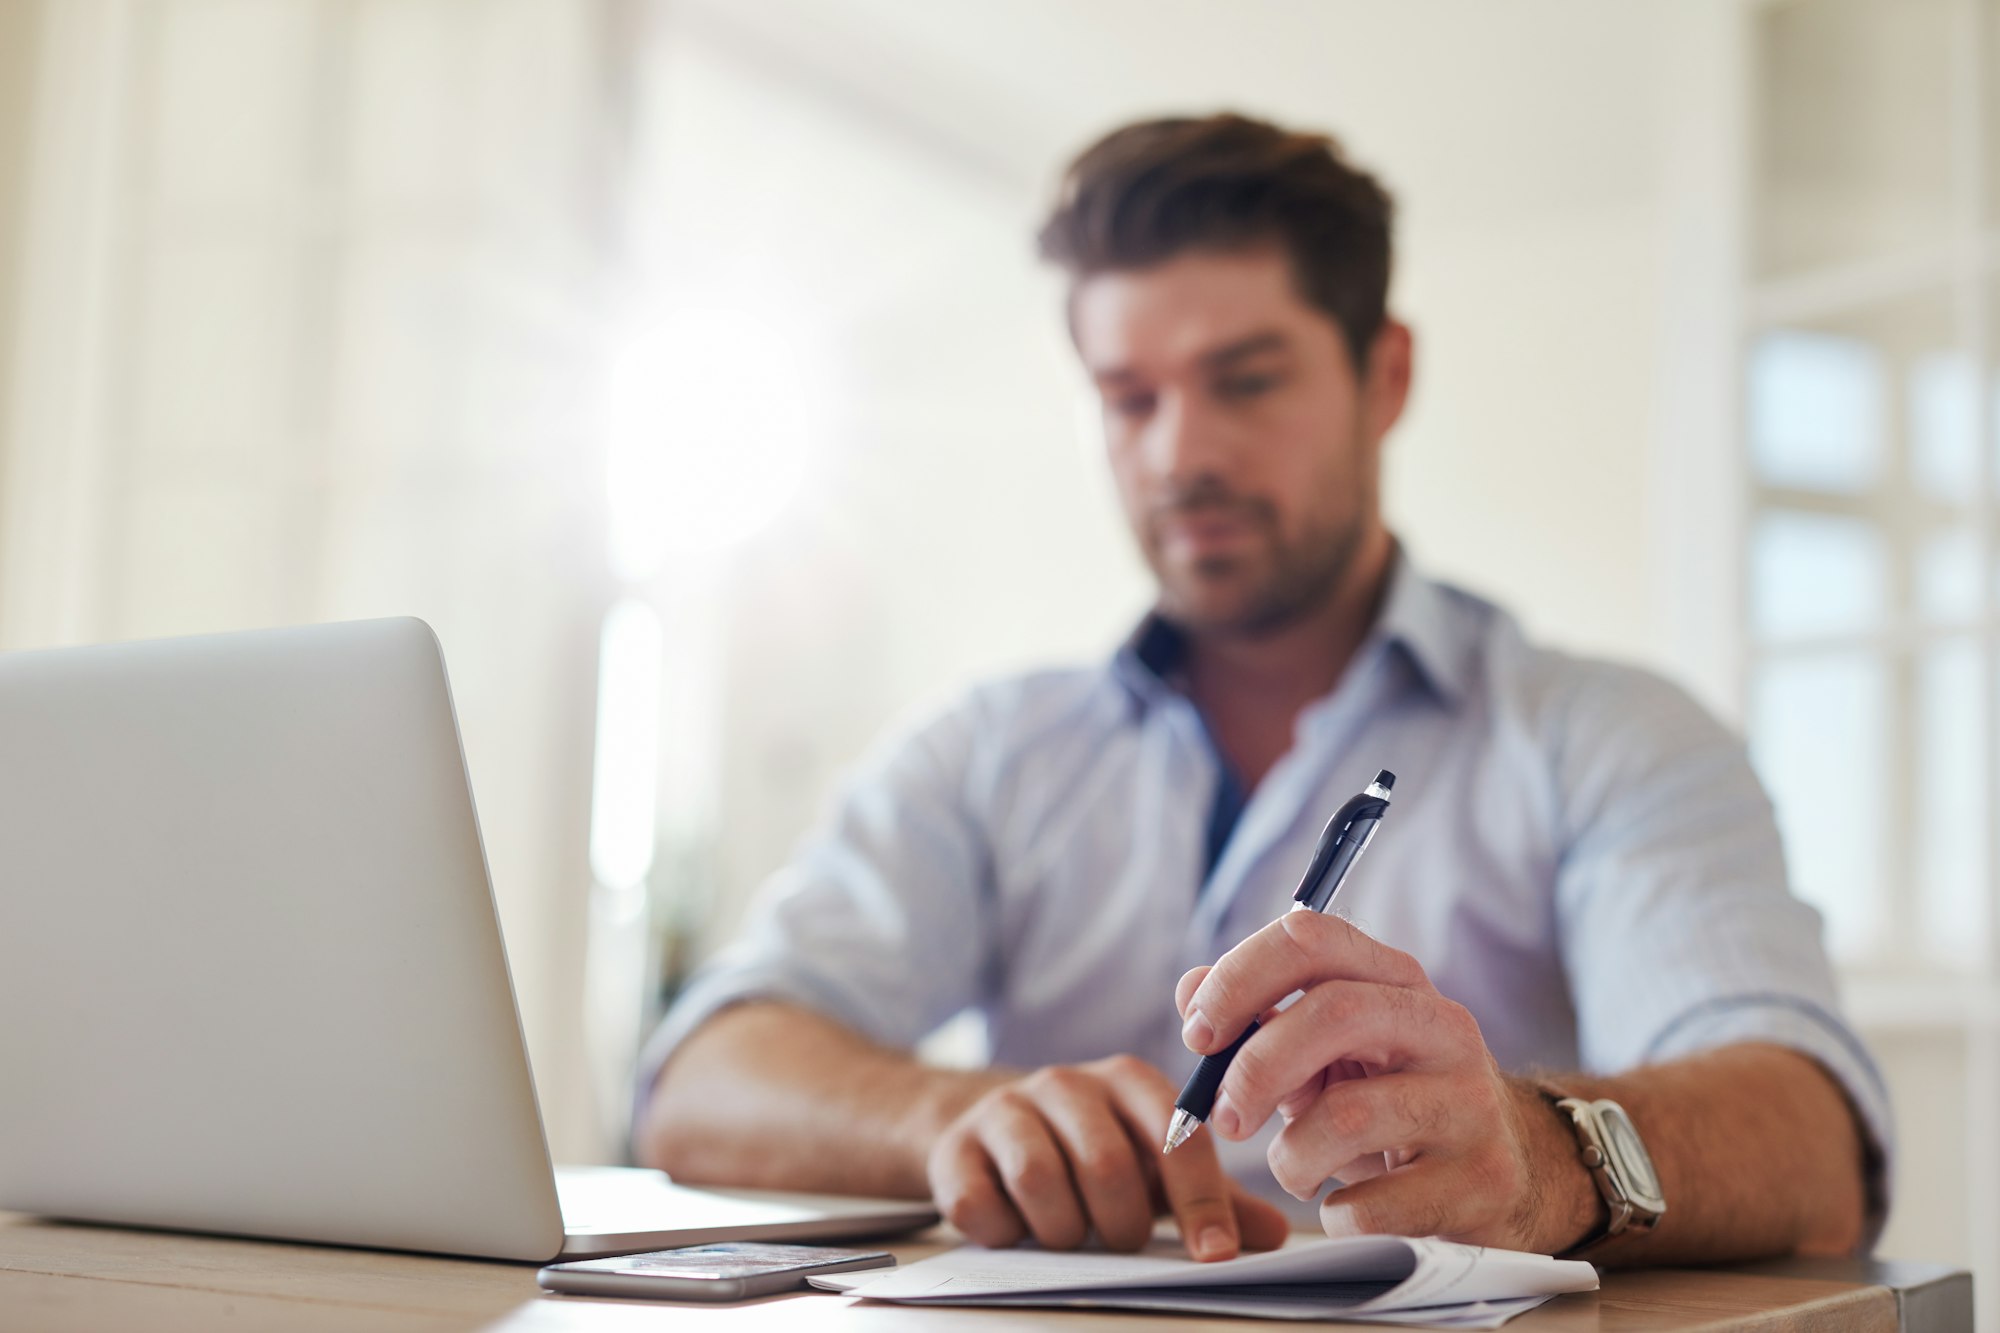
(1522, 470)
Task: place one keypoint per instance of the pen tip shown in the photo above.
(1386, 780)
(1180, 1131)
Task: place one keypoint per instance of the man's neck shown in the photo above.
(1251, 689)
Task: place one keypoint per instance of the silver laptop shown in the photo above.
(251, 977)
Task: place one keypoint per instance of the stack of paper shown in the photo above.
(1375, 1279)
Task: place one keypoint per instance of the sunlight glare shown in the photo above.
(706, 438)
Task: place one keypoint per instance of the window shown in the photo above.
(313, 286)
(1869, 419)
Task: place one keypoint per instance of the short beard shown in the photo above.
(1304, 576)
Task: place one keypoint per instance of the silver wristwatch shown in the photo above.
(1619, 1164)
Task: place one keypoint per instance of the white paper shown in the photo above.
(1427, 1281)
(1255, 1302)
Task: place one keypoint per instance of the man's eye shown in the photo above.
(1132, 405)
(1246, 386)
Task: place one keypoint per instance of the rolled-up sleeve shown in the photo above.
(1678, 928)
(881, 921)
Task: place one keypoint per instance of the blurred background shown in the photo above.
(685, 363)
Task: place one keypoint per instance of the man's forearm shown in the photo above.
(1757, 1150)
(775, 1096)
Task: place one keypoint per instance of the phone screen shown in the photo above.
(721, 1263)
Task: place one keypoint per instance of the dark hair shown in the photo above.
(1155, 189)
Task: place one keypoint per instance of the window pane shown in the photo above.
(398, 326)
(1943, 413)
(1992, 382)
(1951, 802)
(230, 112)
(1948, 576)
(1835, 405)
(411, 67)
(1853, 151)
(1816, 411)
(215, 350)
(1818, 736)
(1813, 574)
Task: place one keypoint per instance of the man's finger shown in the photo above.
(1199, 1193)
(1185, 987)
(1034, 1171)
(969, 1194)
(1371, 1025)
(1298, 950)
(1365, 1167)
(1362, 1117)
(1293, 1103)
(1259, 1222)
(1425, 1199)
(1103, 1160)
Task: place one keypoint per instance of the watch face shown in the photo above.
(1629, 1154)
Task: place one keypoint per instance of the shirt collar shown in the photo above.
(1148, 662)
(1432, 626)
(1419, 617)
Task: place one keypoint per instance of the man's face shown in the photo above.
(1245, 446)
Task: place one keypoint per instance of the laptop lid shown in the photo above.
(251, 975)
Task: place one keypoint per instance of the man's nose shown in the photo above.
(1185, 440)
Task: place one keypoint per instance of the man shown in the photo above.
(1578, 894)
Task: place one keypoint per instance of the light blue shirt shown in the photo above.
(1577, 852)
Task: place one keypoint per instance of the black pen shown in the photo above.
(1340, 846)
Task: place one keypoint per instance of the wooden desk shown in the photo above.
(57, 1278)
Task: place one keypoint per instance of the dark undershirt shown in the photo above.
(1226, 810)
(1161, 649)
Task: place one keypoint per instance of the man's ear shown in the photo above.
(1386, 387)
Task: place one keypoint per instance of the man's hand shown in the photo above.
(1386, 1084)
(1072, 1149)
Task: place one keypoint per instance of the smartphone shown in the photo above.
(731, 1272)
